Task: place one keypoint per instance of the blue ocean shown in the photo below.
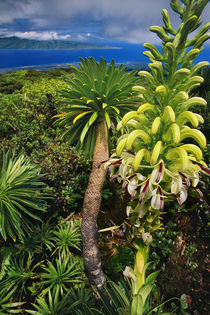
(45, 59)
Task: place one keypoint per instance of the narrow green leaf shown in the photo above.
(88, 124)
(108, 121)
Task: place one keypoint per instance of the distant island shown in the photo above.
(19, 43)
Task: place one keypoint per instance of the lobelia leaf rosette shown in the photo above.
(156, 159)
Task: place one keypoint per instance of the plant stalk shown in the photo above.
(91, 206)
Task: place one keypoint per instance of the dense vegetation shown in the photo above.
(43, 180)
(29, 100)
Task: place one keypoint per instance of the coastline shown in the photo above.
(131, 65)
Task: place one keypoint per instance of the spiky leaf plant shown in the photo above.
(74, 302)
(20, 271)
(96, 92)
(55, 305)
(8, 307)
(66, 237)
(39, 240)
(86, 303)
(156, 158)
(97, 97)
(20, 195)
(60, 275)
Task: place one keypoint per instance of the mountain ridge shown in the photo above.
(20, 43)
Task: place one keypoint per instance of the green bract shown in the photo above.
(155, 158)
(96, 92)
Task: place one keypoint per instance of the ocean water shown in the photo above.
(15, 59)
(18, 59)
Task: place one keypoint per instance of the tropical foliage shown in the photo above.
(67, 237)
(56, 276)
(41, 265)
(20, 198)
(28, 101)
(77, 302)
(8, 307)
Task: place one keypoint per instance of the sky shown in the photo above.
(86, 20)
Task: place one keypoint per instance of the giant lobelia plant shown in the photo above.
(97, 97)
(159, 157)
(156, 159)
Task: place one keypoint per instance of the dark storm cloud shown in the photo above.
(109, 19)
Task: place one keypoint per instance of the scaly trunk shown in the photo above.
(91, 206)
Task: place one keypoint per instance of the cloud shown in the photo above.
(11, 10)
(48, 35)
(134, 36)
(39, 35)
(107, 19)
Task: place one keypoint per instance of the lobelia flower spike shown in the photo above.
(156, 164)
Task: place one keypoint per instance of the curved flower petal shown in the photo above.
(199, 192)
(195, 179)
(182, 196)
(205, 169)
(186, 178)
(140, 177)
(125, 171)
(157, 201)
(132, 185)
(146, 191)
(128, 210)
(157, 173)
(176, 185)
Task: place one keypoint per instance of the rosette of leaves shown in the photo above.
(159, 157)
(19, 272)
(66, 238)
(21, 199)
(61, 275)
(96, 92)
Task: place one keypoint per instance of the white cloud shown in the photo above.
(47, 35)
(39, 35)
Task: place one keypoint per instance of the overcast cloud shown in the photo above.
(110, 20)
